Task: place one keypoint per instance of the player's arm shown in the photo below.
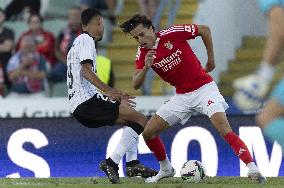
(89, 75)
(139, 74)
(205, 33)
(138, 77)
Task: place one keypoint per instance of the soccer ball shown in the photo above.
(192, 171)
(250, 92)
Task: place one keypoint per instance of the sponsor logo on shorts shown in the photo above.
(210, 102)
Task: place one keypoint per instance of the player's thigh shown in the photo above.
(169, 114)
(210, 100)
(97, 112)
(213, 104)
(176, 110)
(128, 115)
(154, 127)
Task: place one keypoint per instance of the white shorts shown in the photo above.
(206, 100)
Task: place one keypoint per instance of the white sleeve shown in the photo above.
(86, 48)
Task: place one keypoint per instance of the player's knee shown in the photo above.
(261, 120)
(220, 122)
(147, 134)
(142, 120)
(136, 127)
(139, 119)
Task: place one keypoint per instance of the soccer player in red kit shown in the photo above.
(171, 57)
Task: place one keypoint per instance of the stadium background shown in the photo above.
(59, 147)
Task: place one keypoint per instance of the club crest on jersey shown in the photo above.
(168, 45)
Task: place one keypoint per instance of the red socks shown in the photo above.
(156, 145)
(239, 147)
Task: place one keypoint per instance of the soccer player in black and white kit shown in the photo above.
(95, 104)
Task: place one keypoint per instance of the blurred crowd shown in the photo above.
(35, 62)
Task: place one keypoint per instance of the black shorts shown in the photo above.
(98, 111)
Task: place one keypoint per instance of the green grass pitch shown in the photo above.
(209, 182)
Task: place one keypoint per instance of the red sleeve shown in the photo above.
(140, 57)
(180, 32)
(52, 48)
(47, 47)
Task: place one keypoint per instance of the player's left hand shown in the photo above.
(129, 102)
(210, 65)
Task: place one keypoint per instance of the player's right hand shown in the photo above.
(114, 94)
(149, 58)
(210, 65)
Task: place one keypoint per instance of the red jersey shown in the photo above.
(174, 61)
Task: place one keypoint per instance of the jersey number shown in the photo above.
(70, 76)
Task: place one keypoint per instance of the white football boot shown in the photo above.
(163, 173)
(254, 174)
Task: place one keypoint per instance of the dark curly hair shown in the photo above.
(134, 21)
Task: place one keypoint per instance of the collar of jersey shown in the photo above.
(156, 44)
(89, 34)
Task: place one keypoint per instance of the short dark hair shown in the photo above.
(88, 14)
(134, 21)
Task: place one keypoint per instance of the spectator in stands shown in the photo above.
(148, 7)
(22, 9)
(6, 47)
(107, 8)
(45, 41)
(64, 42)
(27, 70)
(172, 11)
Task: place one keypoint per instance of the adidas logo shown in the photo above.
(241, 151)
